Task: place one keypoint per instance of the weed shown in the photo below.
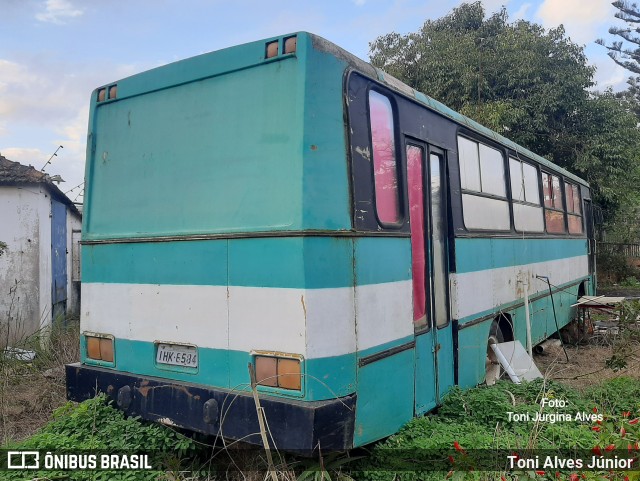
(625, 343)
(30, 391)
(95, 427)
(631, 282)
(473, 426)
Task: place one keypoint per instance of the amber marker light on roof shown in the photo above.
(272, 49)
(113, 92)
(290, 44)
(102, 95)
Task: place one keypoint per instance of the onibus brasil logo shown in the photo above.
(71, 461)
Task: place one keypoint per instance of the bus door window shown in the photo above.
(439, 236)
(415, 155)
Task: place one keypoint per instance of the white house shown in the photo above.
(39, 279)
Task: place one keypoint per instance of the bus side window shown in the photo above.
(553, 210)
(527, 211)
(484, 198)
(574, 210)
(385, 169)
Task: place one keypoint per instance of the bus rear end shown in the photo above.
(197, 260)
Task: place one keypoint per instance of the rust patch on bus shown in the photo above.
(304, 308)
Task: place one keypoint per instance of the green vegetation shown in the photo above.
(95, 427)
(530, 85)
(626, 50)
(473, 425)
(470, 427)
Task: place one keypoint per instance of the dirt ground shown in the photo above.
(586, 365)
(30, 392)
(27, 402)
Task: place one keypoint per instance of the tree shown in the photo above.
(628, 56)
(527, 83)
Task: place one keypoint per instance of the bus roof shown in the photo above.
(402, 88)
(249, 54)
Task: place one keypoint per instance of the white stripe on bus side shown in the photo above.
(150, 312)
(257, 319)
(384, 313)
(480, 291)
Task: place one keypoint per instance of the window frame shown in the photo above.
(552, 208)
(400, 180)
(464, 191)
(540, 195)
(571, 213)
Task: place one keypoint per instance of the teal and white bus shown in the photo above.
(285, 205)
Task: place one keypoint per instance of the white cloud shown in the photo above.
(37, 90)
(41, 101)
(58, 11)
(610, 77)
(581, 18)
(26, 156)
(522, 12)
(359, 3)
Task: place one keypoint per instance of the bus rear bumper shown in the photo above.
(295, 425)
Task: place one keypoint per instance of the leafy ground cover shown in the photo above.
(472, 427)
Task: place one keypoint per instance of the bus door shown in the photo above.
(433, 337)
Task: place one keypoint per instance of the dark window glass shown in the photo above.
(384, 159)
(416, 220)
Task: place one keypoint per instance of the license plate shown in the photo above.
(177, 355)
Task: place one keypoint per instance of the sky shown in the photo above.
(53, 53)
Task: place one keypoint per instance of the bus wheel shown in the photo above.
(493, 369)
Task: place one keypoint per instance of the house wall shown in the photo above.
(21, 267)
(25, 267)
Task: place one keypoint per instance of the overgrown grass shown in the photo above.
(30, 391)
(470, 421)
(95, 427)
(475, 423)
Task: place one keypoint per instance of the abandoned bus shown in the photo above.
(285, 206)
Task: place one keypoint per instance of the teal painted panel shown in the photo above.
(194, 68)
(330, 377)
(473, 340)
(385, 397)
(297, 262)
(267, 262)
(425, 374)
(222, 154)
(278, 262)
(445, 361)
(328, 262)
(382, 259)
(327, 203)
(479, 254)
(138, 357)
(178, 263)
(472, 352)
(324, 378)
